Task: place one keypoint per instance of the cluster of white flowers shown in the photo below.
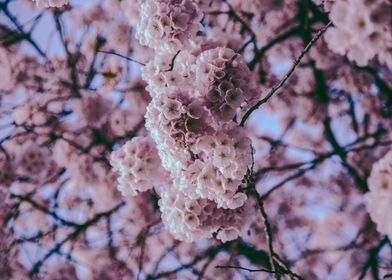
(138, 165)
(174, 126)
(379, 197)
(191, 117)
(197, 93)
(163, 73)
(206, 153)
(168, 25)
(361, 30)
(226, 82)
(51, 3)
(219, 79)
(223, 160)
(191, 220)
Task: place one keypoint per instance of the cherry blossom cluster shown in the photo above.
(379, 197)
(71, 96)
(163, 74)
(173, 128)
(362, 29)
(139, 168)
(191, 220)
(219, 77)
(195, 99)
(138, 165)
(225, 81)
(199, 156)
(168, 25)
(197, 93)
(225, 159)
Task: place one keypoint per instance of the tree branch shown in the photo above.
(281, 83)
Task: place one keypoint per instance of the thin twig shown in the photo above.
(247, 269)
(26, 36)
(79, 229)
(171, 65)
(143, 238)
(123, 56)
(280, 84)
(267, 228)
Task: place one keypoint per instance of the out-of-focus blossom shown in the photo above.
(51, 3)
(379, 197)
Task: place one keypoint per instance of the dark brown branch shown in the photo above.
(247, 269)
(19, 27)
(78, 231)
(268, 232)
(342, 154)
(210, 251)
(372, 259)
